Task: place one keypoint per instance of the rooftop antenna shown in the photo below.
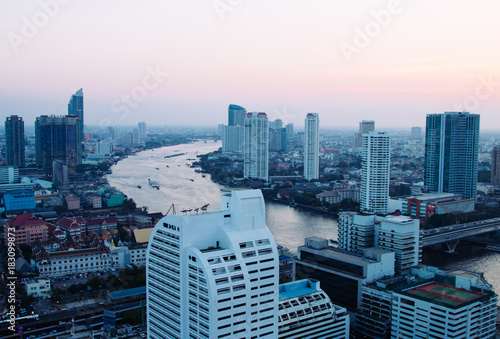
(172, 208)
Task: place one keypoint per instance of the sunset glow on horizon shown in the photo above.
(184, 62)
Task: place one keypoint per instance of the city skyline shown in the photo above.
(188, 61)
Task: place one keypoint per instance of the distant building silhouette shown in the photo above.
(365, 126)
(451, 153)
(416, 133)
(14, 140)
(142, 130)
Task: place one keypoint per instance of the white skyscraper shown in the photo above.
(311, 147)
(214, 274)
(256, 154)
(375, 161)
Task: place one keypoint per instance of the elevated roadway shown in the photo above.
(450, 235)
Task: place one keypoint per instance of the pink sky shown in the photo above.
(282, 57)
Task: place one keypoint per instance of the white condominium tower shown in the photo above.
(256, 154)
(214, 274)
(375, 172)
(311, 147)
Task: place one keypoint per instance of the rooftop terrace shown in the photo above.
(444, 295)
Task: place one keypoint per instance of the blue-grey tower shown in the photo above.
(14, 141)
(75, 107)
(451, 153)
(236, 115)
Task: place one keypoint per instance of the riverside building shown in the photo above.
(214, 274)
(451, 153)
(375, 173)
(256, 146)
(311, 147)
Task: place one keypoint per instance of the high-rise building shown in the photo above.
(236, 115)
(57, 138)
(214, 274)
(375, 172)
(256, 154)
(14, 140)
(365, 126)
(398, 234)
(495, 166)
(311, 147)
(233, 138)
(451, 153)
(142, 130)
(75, 107)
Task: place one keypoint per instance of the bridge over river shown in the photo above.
(450, 235)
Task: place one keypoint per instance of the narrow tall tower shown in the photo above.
(14, 139)
(256, 154)
(311, 147)
(214, 274)
(75, 107)
(375, 172)
(451, 153)
(142, 130)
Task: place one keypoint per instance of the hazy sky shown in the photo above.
(178, 62)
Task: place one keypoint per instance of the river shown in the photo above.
(182, 186)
